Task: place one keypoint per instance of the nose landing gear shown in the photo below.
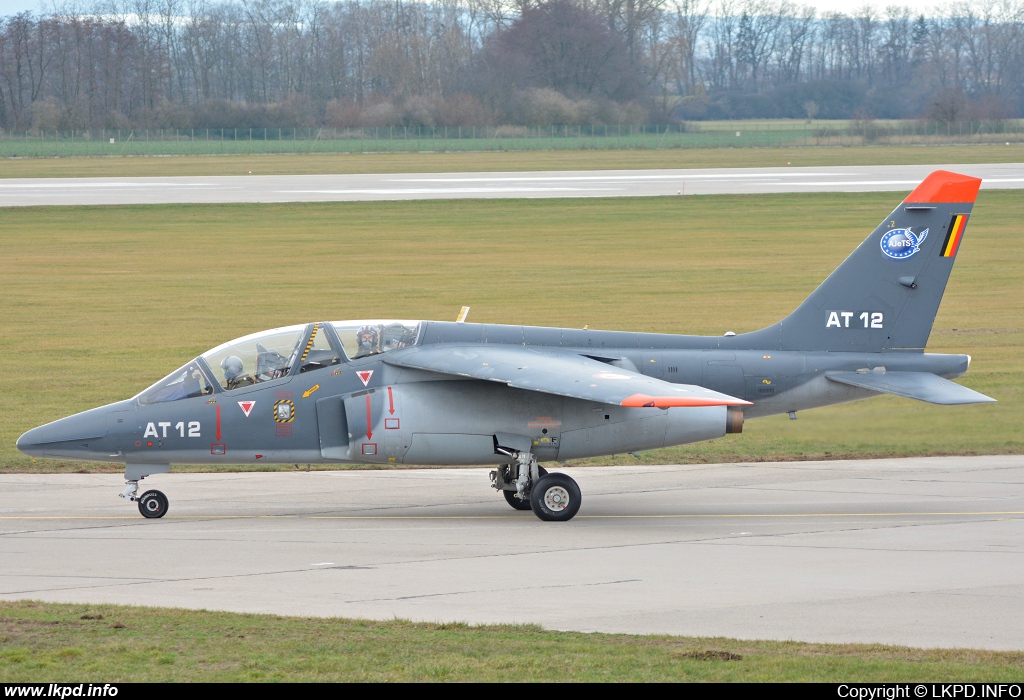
(152, 504)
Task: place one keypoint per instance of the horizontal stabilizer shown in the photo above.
(923, 386)
(560, 373)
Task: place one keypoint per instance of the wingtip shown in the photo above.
(945, 187)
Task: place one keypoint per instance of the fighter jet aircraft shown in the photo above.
(455, 393)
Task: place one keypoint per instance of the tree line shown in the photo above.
(121, 64)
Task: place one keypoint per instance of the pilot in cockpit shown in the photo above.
(368, 341)
(234, 373)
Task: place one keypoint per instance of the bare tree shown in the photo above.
(91, 63)
(688, 20)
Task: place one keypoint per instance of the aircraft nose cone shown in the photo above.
(30, 443)
(68, 436)
(34, 441)
(61, 432)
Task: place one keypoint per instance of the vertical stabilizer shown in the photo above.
(885, 295)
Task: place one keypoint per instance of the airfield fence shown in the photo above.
(730, 134)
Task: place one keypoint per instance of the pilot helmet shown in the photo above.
(366, 337)
(232, 366)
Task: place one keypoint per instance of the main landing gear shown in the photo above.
(511, 496)
(528, 486)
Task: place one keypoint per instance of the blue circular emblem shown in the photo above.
(901, 243)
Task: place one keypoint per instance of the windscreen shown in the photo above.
(184, 383)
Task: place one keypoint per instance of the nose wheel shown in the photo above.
(153, 504)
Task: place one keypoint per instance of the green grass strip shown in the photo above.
(120, 165)
(47, 642)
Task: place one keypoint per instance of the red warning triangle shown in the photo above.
(365, 375)
(246, 407)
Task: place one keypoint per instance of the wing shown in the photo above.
(923, 386)
(564, 374)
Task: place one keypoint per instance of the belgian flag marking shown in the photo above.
(954, 235)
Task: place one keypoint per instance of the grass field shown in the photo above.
(99, 302)
(763, 133)
(314, 164)
(242, 142)
(103, 643)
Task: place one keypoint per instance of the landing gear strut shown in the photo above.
(511, 496)
(528, 486)
(130, 490)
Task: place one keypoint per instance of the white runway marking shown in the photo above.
(908, 183)
(440, 191)
(537, 177)
(87, 184)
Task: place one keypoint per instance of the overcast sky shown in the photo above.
(10, 7)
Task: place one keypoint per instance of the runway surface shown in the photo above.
(610, 183)
(923, 552)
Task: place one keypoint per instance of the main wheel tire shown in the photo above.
(153, 504)
(555, 498)
(522, 503)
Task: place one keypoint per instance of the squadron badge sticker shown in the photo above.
(284, 411)
(902, 243)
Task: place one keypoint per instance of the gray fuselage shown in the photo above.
(342, 414)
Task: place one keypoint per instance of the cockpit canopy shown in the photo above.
(275, 354)
(364, 338)
(259, 357)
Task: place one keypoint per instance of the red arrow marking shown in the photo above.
(369, 419)
(391, 402)
(218, 423)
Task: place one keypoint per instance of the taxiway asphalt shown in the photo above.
(924, 552)
(418, 186)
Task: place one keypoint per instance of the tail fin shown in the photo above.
(886, 294)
